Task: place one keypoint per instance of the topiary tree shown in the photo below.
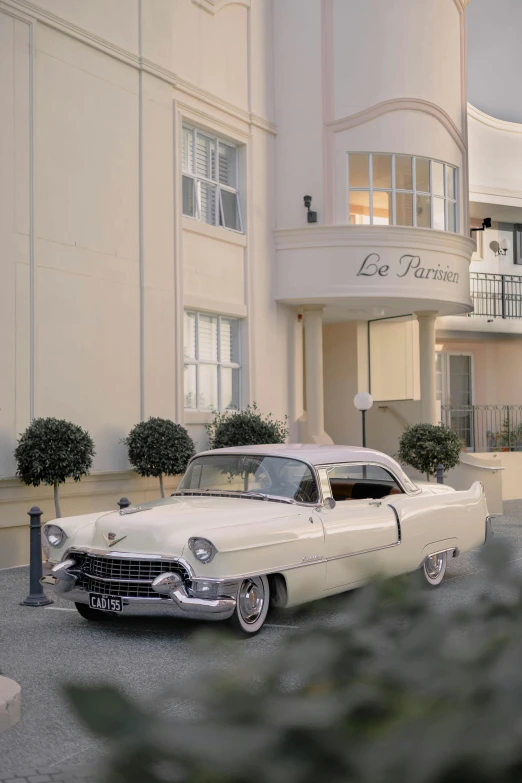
(159, 447)
(245, 428)
(51, 451)
(424, 446)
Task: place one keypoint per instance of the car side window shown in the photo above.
(362, 481)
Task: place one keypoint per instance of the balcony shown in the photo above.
(361, 270)
(486, 427)
(495, 295)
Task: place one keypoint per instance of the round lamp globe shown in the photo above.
(363, 401)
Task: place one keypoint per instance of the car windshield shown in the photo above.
(249, 473)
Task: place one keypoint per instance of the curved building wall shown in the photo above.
(374, 77)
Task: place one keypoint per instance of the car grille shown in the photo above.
(125, 577)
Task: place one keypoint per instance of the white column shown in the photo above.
(313, 325)
(428, 380)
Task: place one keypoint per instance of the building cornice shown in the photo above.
(29, 11)
(215, 6)
(493, 122)
(373, 237)
(461, 5)
(399, 104)
(488, 190)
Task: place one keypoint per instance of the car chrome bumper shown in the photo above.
(177, 601)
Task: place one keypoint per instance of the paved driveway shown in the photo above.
(42, 648)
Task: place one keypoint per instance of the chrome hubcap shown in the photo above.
(434, 565)
(251, 600)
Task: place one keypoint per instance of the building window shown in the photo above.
(455, 394)
(400, 190)
(210, 180)
(212, 362)
(517, 243)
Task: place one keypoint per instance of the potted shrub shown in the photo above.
(51, 451)
(425, 446)
(159, 447)
(248, 427)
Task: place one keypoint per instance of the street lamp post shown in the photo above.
(363, 402)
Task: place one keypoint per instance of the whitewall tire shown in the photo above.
(253, 599)
(434, 568)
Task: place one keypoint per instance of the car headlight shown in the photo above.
(55, 535)
(203, 550)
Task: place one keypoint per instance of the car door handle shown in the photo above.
(375, 503)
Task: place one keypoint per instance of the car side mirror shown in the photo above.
(329, 503)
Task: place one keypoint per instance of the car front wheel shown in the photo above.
(253, 598)
(93, 614)
(435, 568)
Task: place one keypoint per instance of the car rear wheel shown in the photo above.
(93, 614)
(253, 598)
(435, 568)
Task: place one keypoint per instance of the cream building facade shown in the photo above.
(157, 258)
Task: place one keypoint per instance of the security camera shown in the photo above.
(486, 223)
(308, 202)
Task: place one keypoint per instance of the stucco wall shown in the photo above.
(342, 421)
(97, 266)
(495, 148)
(494, 361)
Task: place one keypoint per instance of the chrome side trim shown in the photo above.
(363, 552)
(376, 548)
(399, 529)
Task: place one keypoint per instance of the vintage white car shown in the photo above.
(257, 526)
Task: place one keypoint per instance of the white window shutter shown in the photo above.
(188, 150)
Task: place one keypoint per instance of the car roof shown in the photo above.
(314, 454)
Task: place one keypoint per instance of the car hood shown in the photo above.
(167, 525)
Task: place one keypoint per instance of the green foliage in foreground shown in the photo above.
(399, 694)
(425, 446)
(248, 427)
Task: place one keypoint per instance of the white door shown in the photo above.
(362, 526)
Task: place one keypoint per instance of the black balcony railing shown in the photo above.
(486, 427)
(496, 296)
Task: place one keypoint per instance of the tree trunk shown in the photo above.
(57, 500)
(161, 485)
(427, 476)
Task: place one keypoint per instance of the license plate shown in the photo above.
(107, 603)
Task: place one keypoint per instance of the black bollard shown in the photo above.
(440, 474)
(124, 503)
(36, 595)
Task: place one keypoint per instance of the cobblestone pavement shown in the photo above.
(43, 648)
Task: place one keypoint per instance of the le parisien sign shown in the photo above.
(408, 266)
